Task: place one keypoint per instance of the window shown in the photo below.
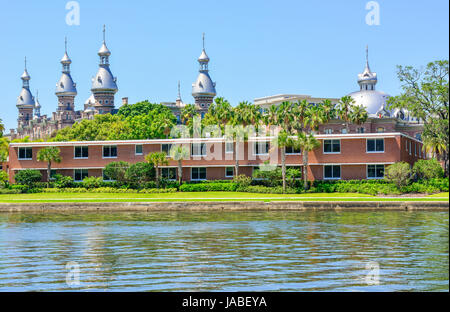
(138, 149)
(25, 153)
(169, 173)
(375, 145)
(261, 148)
(81, 152)
(344, 131)
(198, 149)
(418, 136)
(106, 177)
(415, 149)
(229, 147)
(410, 148)
(328, 131)
(165, 148)
(361, 130)
(331, 146)
(291, 150)
(380, 129)
(332, 172)
(80, 174)
(52, 174)
(110, 151)
(375, 171)
(198, 173)
(229, 172)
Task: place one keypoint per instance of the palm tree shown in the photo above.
(358, 115)
(178, 153)
(243, 115)
(344, 108)
(306, 143)
(4, 149)
(2, 127)
(157, 159)
(282, 141)
(49, 155)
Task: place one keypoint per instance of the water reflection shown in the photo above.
(225, 251)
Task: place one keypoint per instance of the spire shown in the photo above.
(203, 58)
(104, 33)
(25, 76)
(66, 61)
(179, 93)
(25, 99)
(367, 79)
(367, 59)
(203, 38)
(65, 85)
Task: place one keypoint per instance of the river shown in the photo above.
(225, 251)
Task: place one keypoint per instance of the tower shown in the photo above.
(65, 91)
(367, 79)
(25, 101)
(104, 85)
(204, 89)
(37, 107)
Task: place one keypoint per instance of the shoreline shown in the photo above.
(58, 207)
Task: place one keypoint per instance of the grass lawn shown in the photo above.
(204, 196)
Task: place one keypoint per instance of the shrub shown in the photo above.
(208, 187)
(140, 172)
(3, 178)
(399, 173)
(428, 169)
(62, 181)
(28, 177)
(117, 170)
(108, 190)
(10, 191)
(269, 177)
(242, 181)
(92, 182)
(270, 190)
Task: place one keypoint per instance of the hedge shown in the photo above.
(209, 187)
(108, 190)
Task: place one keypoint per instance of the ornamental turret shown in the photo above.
(37, 108)
(25, 101)
(367, 79)
(66, 90)
(104, 85)
(204, 89)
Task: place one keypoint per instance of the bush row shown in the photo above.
(106, 190)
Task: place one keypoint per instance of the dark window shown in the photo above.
(165, 148)
(110, 151)
(292, 150)
(331, 146)
(25, 153)
(332, 172)
(80, 174)
(198, 149)
(229, 172)
(138, 150)
(198, 173)
(169, 173)
(375, 145)
(81, 151)
(375, 171)
(261, 148)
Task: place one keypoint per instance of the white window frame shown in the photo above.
(260, 154)
(375, 152)
(328, 131)
(333, 178)
(81, 146)
(323, 146)
(229, 176)
(24, 147)
(176, 173)
(136, 153)
(227, 151)
(293, 153)
(206, 173)
(375, 178)
(109, 157)
(201, 150)
(169, 146)
(74, 175)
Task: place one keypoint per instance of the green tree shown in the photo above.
(117, 171)
(282, 141)
(399, 173)
(28, 177)
(2, 127)
(178, 153)
(139, 173)
(157, 159)
(306, 143)
(348, 112)
(3, 178)
(49, 155)
(425, 94)
(428, 169)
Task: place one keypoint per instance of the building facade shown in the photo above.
(341, 156)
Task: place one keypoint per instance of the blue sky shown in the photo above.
(257, 48)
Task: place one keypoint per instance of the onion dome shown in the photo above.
(104, 81)
(203, 86)
(25, 99)
(65, 85)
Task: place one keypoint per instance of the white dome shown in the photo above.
(203, 85)
(66, 86)
(104, 81)
(25, 98)
(372, 100)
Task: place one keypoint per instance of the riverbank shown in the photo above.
(213, 201)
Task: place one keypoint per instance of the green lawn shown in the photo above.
(204, 196)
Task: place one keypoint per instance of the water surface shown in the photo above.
(225, 251)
